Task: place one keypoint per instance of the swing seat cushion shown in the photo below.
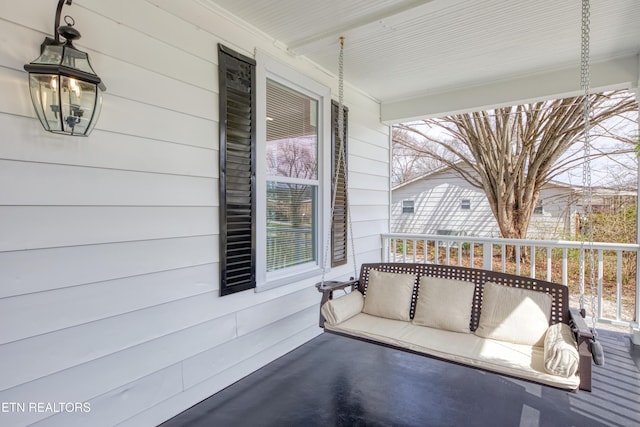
(560, 353)
(444, 304)
(389, 295)
(515, 315)
(518, 360)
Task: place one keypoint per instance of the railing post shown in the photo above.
(487, 256)
(635, 329)
(384, 256)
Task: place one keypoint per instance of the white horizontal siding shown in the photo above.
(88, 186)
(73, 306)
(437, 206)
(104, 150)
(109, 247)
(52, 226)
(165, 409)
(31, 271)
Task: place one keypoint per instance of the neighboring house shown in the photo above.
(442, 202)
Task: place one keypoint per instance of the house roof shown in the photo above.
(427, 58)
(599, 190)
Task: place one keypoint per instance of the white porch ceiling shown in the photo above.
(428, 57)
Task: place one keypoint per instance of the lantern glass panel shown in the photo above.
(78, 100)
(44, 95)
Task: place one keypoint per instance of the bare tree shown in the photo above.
(512, 152)
(407, 163)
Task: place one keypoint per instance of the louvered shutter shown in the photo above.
(340, 219)
(237, 171)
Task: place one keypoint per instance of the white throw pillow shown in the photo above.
(444, 304)
(560, 353)
(340, 309)
(519, 316)
(389, 295)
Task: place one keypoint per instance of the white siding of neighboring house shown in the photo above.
(109, 245)
(438, 209)
(558, 218)
(437, 202)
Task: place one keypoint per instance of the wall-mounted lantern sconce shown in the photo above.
(66, 92)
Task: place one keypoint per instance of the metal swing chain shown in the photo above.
(340, 161)
(586, 231)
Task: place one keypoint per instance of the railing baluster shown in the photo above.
(472, 248)
(487, 256)
(533, 261)
(518, 259)
(447, 252)
(565, 267)
(619, 279)
(548, 263)
(414, 250)
(600, 278)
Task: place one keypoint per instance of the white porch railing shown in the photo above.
(616, 280)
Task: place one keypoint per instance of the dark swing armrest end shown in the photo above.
(584, 336)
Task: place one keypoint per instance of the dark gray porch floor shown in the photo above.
(337, 381)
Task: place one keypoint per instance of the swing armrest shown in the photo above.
(579, 325)
(583, 337)
(327, 289)
(332, 285)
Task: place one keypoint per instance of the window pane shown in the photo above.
(292, 133)
(407, 206)
(291, 223)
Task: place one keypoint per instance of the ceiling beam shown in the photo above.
(300, 47)
(621, 72)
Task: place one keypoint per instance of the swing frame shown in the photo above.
(560, 310)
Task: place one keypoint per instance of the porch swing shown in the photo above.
(435, 310)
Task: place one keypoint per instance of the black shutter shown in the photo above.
(340, 219)
(237, 171)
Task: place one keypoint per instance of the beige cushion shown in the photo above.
(444, 304)
(523, 361)
(560, 352)
(340, 309)
(389, 295)
(516, 315)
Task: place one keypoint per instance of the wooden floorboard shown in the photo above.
(337, 381)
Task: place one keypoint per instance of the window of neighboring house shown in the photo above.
(293, 159)
(408, 206)
(465, 204)
(538, 209)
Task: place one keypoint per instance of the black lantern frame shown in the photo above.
(65, 90)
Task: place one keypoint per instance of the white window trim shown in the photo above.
(413, 207)
(269, 68)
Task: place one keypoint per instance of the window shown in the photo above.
(292, 177)
(465, 204)
(407, 206)
(293, 159)
(538, 209)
